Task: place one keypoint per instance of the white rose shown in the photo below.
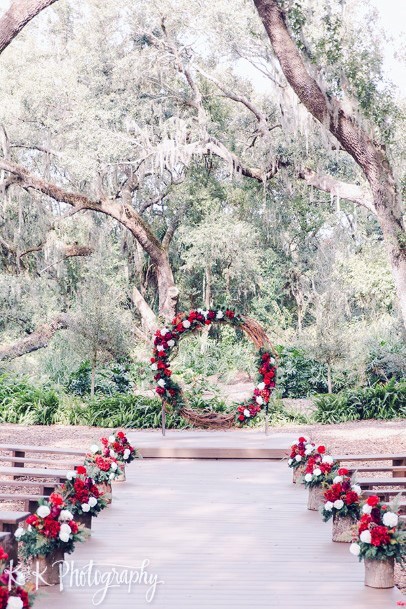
(317, 472)
(338, 504)
(247, 413)
(328, 506)
(20, 579)
(390, 519)
(112, 476)
(164, 331)
(114, 466)
(64, 537)
(154, 366)
(355, 549)
(219, 315)
(160, 348)
(43, 511)
(65, 528)
(14, 602)
(94, 448)
(112, 453)
(298, 458)
(357, 489)
(126, 453)
(308, 477)
(290, 461)
(71, 475)
(365, 536)
(112, 439)
(171, 343)
(161, 383)
(327, 459)
(259, 400)
(337, 479)
(309, 446)
(367, 509)
(92, 501)
(19, 532)
(308, 451)
(186, 323)
(65, 515)
(85, 507)
(261, 386)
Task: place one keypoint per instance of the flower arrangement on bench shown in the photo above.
(118, 447)
(299, 455)
(342, 503)
(83, 496)
(103, 470)
(381, 540)
(320, 469)
(49, 534)
(12, 594)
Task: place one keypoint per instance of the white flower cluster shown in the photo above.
(14, 602)
(126, 454)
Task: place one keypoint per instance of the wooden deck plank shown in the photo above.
(221, 534)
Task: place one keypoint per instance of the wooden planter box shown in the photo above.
(48, 568)
(105, 488)
(379, 573)
(298, 473)
(85, 519)
(316, 498)
(342, 528)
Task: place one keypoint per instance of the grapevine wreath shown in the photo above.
(166, 342)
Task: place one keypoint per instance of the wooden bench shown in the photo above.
(396, 469)
(21, 461)
(396, 460)
(368, 483)
(10, 545)
(20, 451)
(60, 475)
(45, 488)
(30, 501)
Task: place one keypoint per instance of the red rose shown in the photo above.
(241, 417)
(51, 527)
(3, 554)
(74, 526)
(302, 439)
(81, 470)
(160, 390)
(32, 520)
(379, 536)
(168, 372)
(350, 498)
(343, 471)
(211, 314)
(230, 314)
(121, 435)
(321, 449)
(56, 499)
(373, 500)
(152, 360)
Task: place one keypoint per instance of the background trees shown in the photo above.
(170, 139)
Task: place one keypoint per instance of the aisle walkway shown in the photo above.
(221, 535)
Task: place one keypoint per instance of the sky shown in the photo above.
(393, 19)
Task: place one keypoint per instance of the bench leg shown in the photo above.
(10, 545)
(48, 490)
(18, 453)
(399, 462)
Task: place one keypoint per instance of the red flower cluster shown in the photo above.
(119, 446)
(104, 463)
(380, 534)
(6, 594)
(82, 490)
(49, 526)
(316, 461)
(166, 339)
(342, 490)
(299, 448)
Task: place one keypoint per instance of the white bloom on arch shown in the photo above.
(171, 343)
(161, 383)
(160, 348)
(259, 400)
(261, 386)
(186, 323)
(247, 413)
(154, 366)
(219, 315)
(164, 331)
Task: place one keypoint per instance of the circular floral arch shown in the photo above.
(166, 341)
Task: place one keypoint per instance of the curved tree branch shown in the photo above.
(39, 339)
(17, 16)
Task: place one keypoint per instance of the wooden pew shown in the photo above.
(45, 488)
(9, 523)
(397, 460)
(30, 501)
(10, 545)
(57, 474)
(20, 452)
(368, 483)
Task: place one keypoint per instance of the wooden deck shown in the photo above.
(221, 535)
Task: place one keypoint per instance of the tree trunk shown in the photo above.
(93, 374)
(329, 381)
(17, 16)
(207, 304)
(37, 340)
(369, 154)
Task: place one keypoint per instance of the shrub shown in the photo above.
(298, 375)
(22, 402)
(378, 402)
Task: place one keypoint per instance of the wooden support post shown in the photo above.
(163, 418)
(18, 453)
(266, 420)
(399, 462)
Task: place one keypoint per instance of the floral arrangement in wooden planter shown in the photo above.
(320, 469)
(13, 593)
(102, 469)
(118, 447)
(82, 495)
(381, 540)
(51, 527)
(342, 503)
(299, 455)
